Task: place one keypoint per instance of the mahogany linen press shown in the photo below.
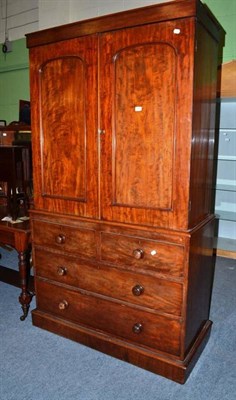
(123, 113)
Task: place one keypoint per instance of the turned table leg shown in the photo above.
(24, 270)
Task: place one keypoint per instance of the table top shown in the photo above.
(15, 227)
(11, 146)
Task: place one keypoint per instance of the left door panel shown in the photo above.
(64, 126)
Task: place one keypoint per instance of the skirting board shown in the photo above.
(12, 277)
(226, 254)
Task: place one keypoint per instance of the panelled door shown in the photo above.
(145, 99)
(64, 117)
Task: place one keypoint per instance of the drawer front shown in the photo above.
(141, 253)
(131, 287)
(119, 320)
(72, 240)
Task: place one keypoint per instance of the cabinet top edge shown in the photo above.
(160, 12)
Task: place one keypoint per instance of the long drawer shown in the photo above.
(144, 328)
(72, 240)
(146, 291)
(166, 258)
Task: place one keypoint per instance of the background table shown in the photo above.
(18, 236)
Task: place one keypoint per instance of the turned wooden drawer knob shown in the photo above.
(61, 271)
(60, 239)
(63, 305)
(137, 328)
(138, 290)
(138, 254)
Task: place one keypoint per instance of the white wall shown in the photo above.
(83, 9)
(22, 17)
(25, 16)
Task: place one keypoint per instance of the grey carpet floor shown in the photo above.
(38, 365)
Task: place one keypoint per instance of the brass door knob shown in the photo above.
(137, 290)
(63, 305)
(137, 328)
(138, 254)
(60, 239)
(61, 271)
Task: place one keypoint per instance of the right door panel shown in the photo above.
(142, 74)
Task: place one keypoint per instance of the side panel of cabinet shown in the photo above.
(204, 125)
(200, 281)
(146, 93)
(64, 115)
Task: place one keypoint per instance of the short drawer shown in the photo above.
(72, 240)
(166, 258)
(145, 291)
(122, 321)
